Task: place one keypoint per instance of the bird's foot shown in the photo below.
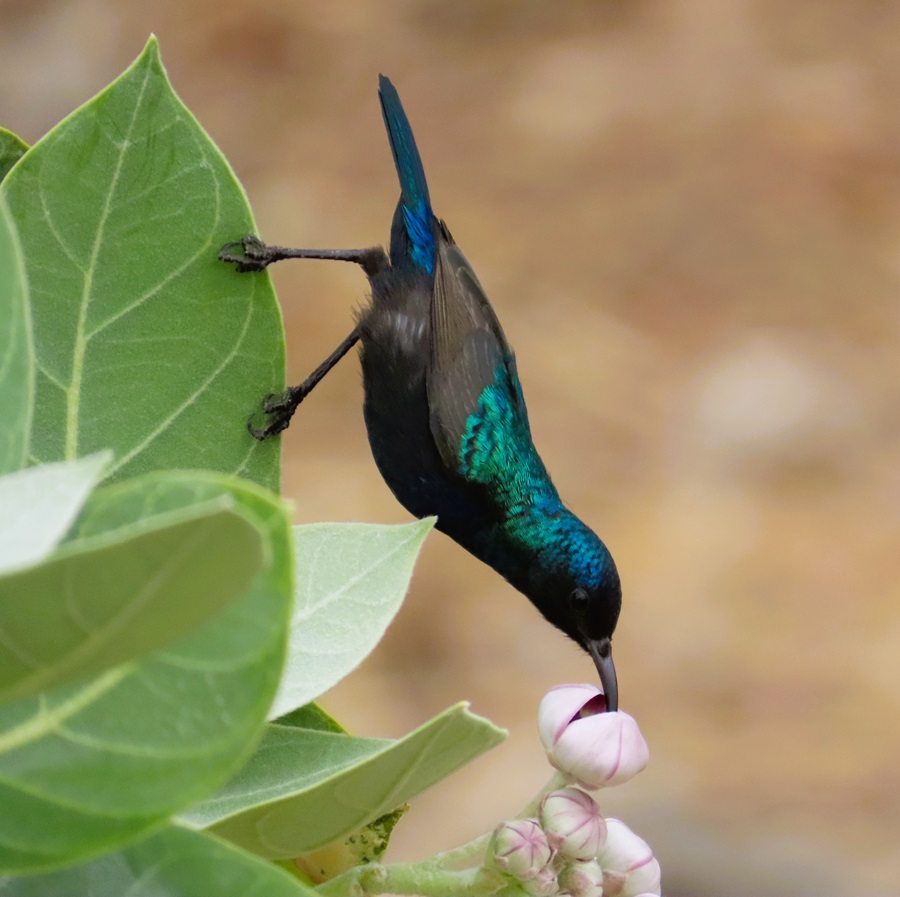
(279, 408)
(247, 254)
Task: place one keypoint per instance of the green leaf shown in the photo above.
(144, 342)
(365, 845)
(351, 580)
(305, 788)
(311, 716)
(88, 768)
(132, 586)
(12, 148)
(175, 862)
(39, 505)
(16, 353)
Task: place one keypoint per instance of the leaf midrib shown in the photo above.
(73, 392)
(46, 720)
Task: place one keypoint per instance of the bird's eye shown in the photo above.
(579, 598)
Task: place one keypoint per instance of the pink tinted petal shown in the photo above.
(630, 869)
(605, 749)
(624, 851)
(645, 879)
(641, 882)
(559, 707)
(520, 848)
(572, 823)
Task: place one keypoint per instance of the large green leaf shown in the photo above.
(133, 584)
(175, 862)
(144, 342)
(12, 148)
(39, 505)
(305, 788)
(351, 580)
(88, 768)
(16, 353)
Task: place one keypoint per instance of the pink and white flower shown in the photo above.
(589, 746)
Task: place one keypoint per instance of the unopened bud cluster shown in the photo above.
(568, 847)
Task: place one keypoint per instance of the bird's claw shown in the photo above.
(247, 254)
(279, 408)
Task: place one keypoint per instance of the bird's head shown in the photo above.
(581, 595)
(569, 575)
(592, 615)
(576, 586)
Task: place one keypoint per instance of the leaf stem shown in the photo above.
(417, 878)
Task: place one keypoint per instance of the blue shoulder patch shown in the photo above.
(421, 236)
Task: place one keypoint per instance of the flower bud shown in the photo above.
(582, 879)
(629, 867)
(591, 747)
(572, 823)
(520, 848)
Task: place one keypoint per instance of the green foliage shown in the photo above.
(351, 579)
(40, 504)
(286, 800)
(131, 585)
(149, 608)
(103, 761)
(366, 845)
(175, 862)
(143, 339)
(12, 148)
(16, 351)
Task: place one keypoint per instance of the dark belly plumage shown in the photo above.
(396, 332)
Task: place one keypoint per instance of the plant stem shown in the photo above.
(557, 780)
(415, 878)
(465, 854)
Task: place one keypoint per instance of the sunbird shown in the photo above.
(445, 413)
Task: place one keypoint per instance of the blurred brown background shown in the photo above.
(688, 218)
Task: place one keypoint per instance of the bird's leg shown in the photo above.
(280, 407)
(251, 254)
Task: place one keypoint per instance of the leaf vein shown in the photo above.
(73, 396)
(48, 720)
(166, 422)
(348, 584)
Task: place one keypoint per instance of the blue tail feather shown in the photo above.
(414, 197)
(403, 146)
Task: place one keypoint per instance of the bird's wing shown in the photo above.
(469, 351)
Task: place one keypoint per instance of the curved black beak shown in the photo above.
(601, 651)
